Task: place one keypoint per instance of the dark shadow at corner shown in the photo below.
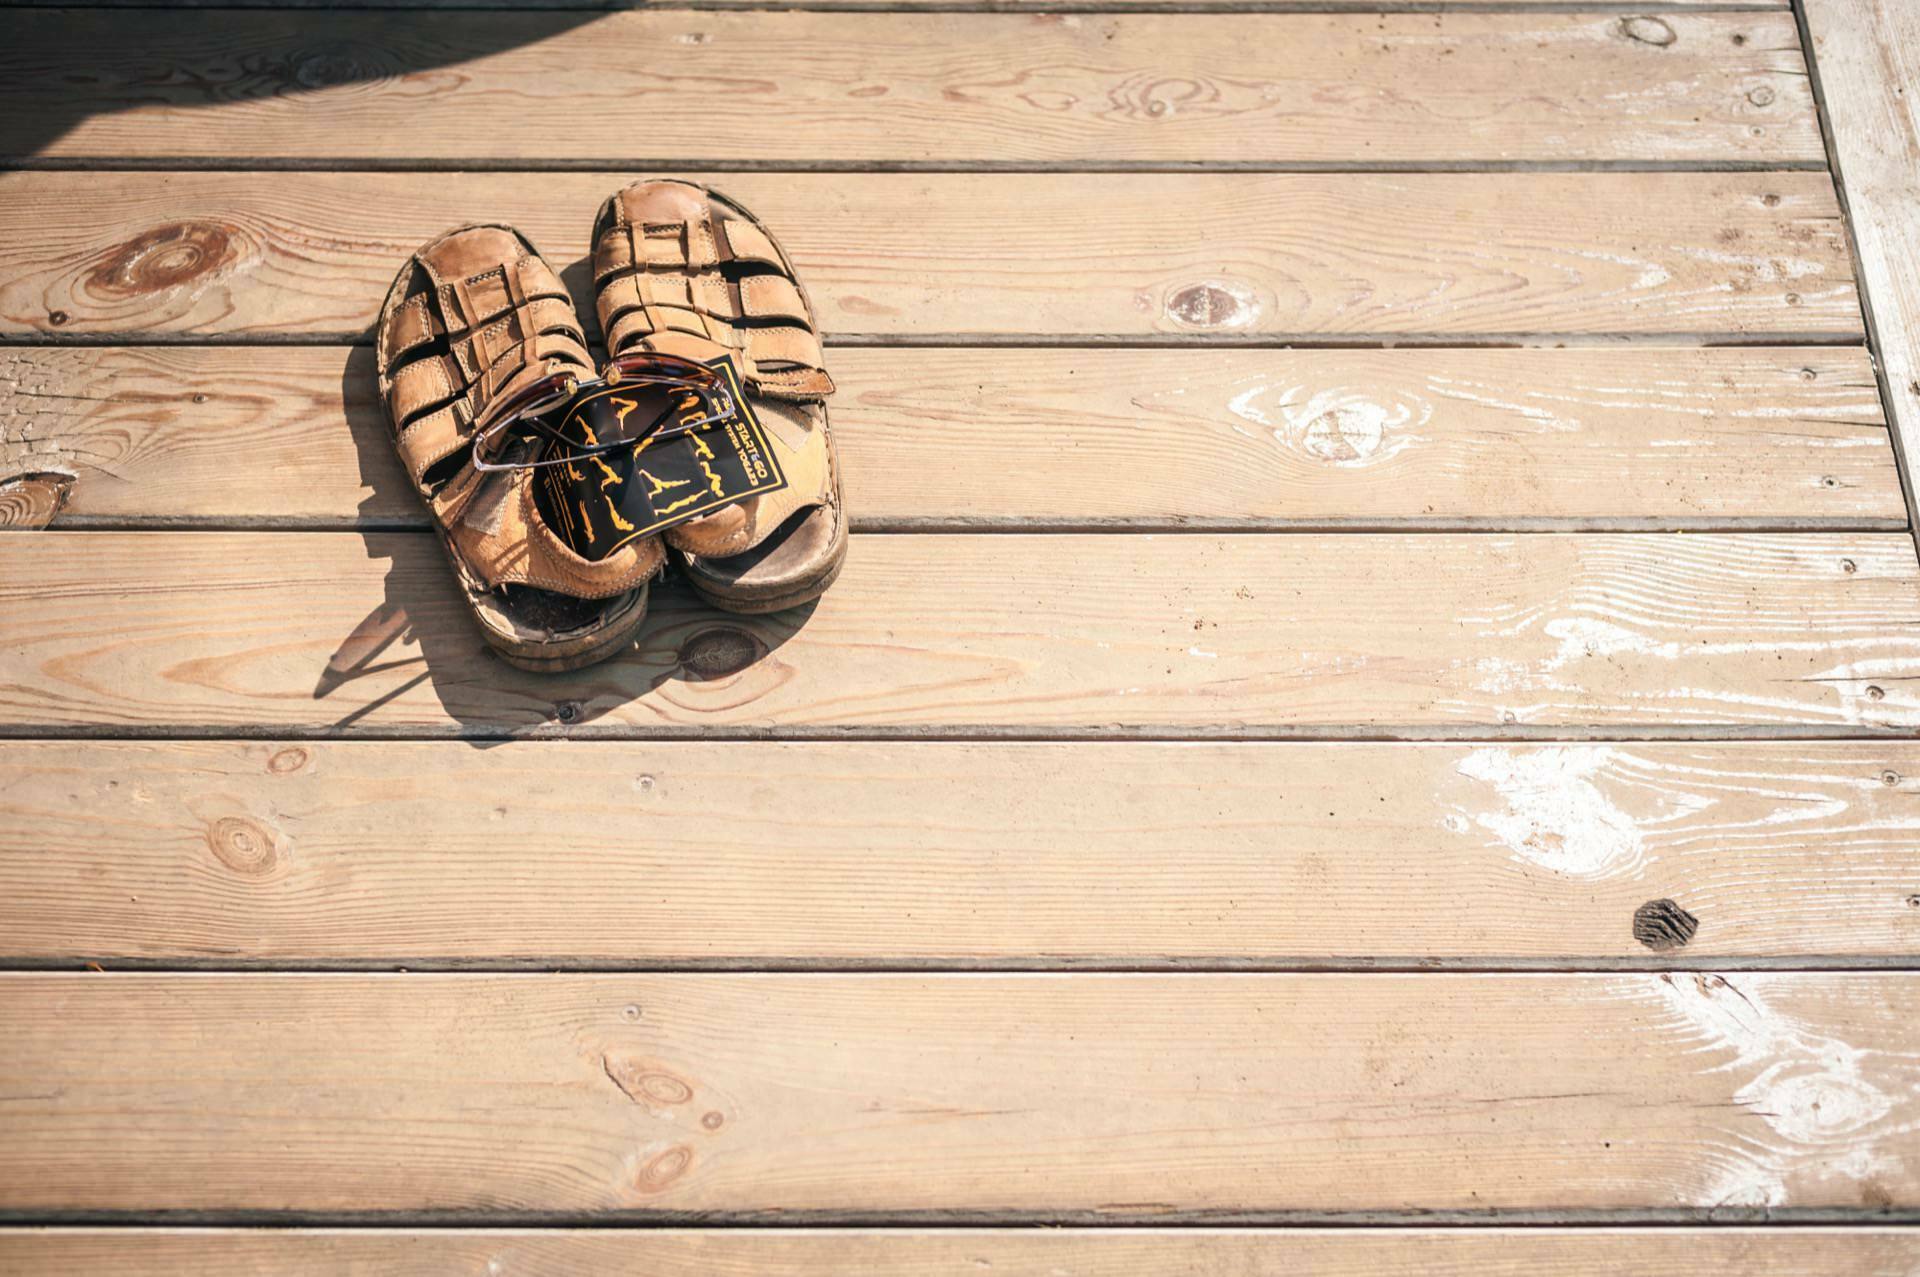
(688, 658)
(66, 66)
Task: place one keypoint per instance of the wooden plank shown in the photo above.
(1022, 1252)
(1057, 1097)
(1869, 53)
(914, 256)
(687, 88)
(1398, 634)
(996, 6)
(385, 853)
(164, 435)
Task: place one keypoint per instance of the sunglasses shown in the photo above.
(661, 397)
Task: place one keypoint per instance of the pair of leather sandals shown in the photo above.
(557, 490)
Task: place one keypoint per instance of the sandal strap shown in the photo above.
(407, 327)
(497, 532)
(657, 282)
(480, 299)
(483, 348)
(422, 385)
(433, 438)
(491, 309)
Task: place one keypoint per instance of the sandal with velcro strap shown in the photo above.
(476, 321)
(681, 270)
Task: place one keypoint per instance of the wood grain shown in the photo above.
(1869, 53)
(1062, 1097)
(1416, 634)
(1049, 6)
(1233, 256)
(687, 88)
(384, 853)
(933, 438)
(1051, 1252)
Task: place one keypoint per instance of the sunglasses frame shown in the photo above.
(641, 368)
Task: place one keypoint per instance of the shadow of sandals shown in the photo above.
(690, 661)
(66, 66)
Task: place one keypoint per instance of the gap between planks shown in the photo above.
(1784, 339)
(1126, 1219)
(158, 164)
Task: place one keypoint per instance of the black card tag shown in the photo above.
(598, 504)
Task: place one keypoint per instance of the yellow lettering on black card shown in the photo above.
(686, 475)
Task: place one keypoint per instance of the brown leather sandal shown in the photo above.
(682, 270)
(475, 320)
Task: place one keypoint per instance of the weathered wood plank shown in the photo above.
(1416, 634)
(1062, 1097)
(408, 854)
(1049, 6)
(1025, 1252)
(1869, 55)
(933, 437)
(1054, 256)
(686, 88)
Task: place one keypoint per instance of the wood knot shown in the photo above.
(1662, 925)
(287, 761)
(31, 500)
(646, 1081)
(1162, 98)
(242, 845)
(1646, 29)
(331, 65)
(1212, 304)
(663, 1169)
(162, 258)
(719, 653)
(713, 1119)
(1344, 434)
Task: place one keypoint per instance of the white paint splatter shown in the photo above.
(1338, 426)
(1647, 273)
(1472, 392)
(1203, 653)
(1552, 814)
(1769, 270)
(1246, 406)
(1812, 1090)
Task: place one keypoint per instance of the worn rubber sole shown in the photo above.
(608, 643)
(752, 604)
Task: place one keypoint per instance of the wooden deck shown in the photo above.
(1372, 723)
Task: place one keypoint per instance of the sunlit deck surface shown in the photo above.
(1373, 699)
